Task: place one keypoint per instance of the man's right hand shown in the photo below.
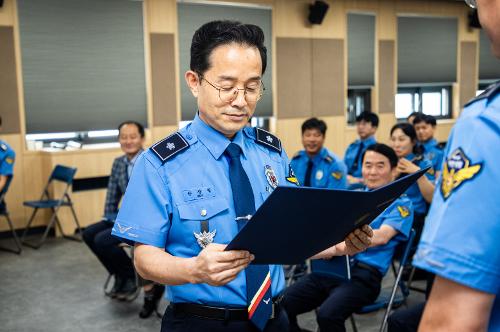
(217, 267)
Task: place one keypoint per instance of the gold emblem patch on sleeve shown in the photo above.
(403, 211)
(337, 175)
(456, 170)
(9, 160)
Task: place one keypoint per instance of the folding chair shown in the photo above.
(5, 213)
(388, 300)
(62, 174)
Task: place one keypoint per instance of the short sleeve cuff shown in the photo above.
(133, 233)
(458, 268)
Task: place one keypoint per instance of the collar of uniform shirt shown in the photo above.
(213, 140)
(429, 144)
(367, 141)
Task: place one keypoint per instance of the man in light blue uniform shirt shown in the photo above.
(460, 239)
(7, 159)
(316, 166)
(425, 125)
(337, 298)
(182, 208)
(366, 127)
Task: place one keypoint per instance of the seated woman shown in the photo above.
(411, 159)
(98, 236)
(338, 298)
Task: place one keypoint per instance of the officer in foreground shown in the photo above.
(460, 239)
(191, 193)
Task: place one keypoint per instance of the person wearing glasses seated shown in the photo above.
(337, 298)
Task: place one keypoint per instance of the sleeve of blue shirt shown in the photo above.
(7, 163)
(144, 213)
(337, 175)
(460, 239)
(400, 216)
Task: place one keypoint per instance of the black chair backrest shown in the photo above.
(63, 174)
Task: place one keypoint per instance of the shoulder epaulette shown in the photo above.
(169, 146)
(3, 147)
(329, 158)
(266, 138)
(490, 91)
(296, 155)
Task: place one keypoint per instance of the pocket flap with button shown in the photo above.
(202, 209)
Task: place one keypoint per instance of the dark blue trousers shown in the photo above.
(181, 322)
(105, 246)
(335, 299)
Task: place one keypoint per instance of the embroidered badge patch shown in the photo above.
(456, 170)
(271, 176)
(291, 176)
(205, 238)
(319, 175)
(403, 211)
(9, 160)
(337, 175)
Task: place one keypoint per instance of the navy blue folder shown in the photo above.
(294, 223)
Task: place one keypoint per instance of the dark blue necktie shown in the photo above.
(307, 179)
(258, 277)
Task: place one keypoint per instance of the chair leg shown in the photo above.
(44, 236)
(26, 229)
(78, 227)
(353, 323)
(14, 235)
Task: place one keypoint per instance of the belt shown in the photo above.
(368, 267)
(220, 313)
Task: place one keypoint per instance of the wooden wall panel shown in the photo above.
(328, 86)
(9, 102)
(386, 76)
(294, 77)
(468, 71)
(163, 79)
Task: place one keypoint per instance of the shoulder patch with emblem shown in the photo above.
(169, 146)
(267, 139)
(457, 169)
(403, 211)
(9, 160)
(337, 175)
(291, 176)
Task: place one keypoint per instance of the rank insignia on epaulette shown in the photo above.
(3, 147)
(457, 170)
(329, 159)
(337, 175)
(403, 211)
(291, 176)
(266, 138)
(271, 176)
(170, 146)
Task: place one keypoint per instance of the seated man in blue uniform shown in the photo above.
(366, 127)
(316, 166)
(460, 239)
(425, 125)
(191, 192)
(7, 159)
(98, 236)
(338, 298)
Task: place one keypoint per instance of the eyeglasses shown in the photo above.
(252, 93)
(471, 3)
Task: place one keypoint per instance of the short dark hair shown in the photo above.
(409, 131)
(216, 33)
(140, 128)
(368, 117)
(413, 114)
(385, 150)
(314, 123)
(429, 119)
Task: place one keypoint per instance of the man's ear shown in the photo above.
(192, 81)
